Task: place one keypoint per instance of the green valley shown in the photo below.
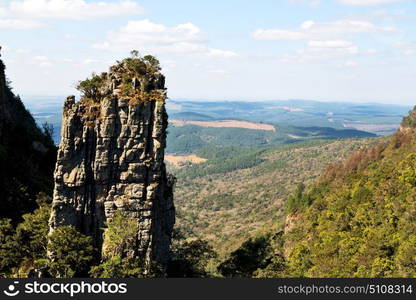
(237, 192)
(356, 220)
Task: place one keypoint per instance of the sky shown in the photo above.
(327, 50)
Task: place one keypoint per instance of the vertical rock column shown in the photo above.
(111, 157)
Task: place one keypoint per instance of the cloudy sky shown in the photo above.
(338, 50)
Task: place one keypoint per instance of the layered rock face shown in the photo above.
(111, 157)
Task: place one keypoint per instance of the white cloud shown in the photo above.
(350, 64)
(311, 30)
(168, 65)
(279, 34)
(19, 24)
(330, 44)
(40, 58)
(22, 51)
(157, 38)
(370, 51)
(407, 48)
(392, 16)
(42, 61)
(368, 2)
(306, 2)
(89, 61)
(218, 71)
(145, 31)
(323, 51)
(69, 36)
(69, 9)
(222, 53)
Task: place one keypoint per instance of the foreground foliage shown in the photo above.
(190, 258)
(71, 253)
(22, 247)
(118, 250)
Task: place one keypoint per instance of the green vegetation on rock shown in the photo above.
(71, 253)
(118, 250)
(136, 77)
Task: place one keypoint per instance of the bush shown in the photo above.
(190, 259)
(90, 86)
(21, 247)
(253, 254)
(9, 254)
(407, 170)
(299, 200)
(32, 233)
(116, 267)
(71, 253)
(119, 236)
(410, 120)
(118, 254)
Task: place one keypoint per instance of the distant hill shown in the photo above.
(383, 118)
(224, 124)
(375, 118)
(190, 138)
(188, 115)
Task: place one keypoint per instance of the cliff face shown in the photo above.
(4, 113)
(27, 155)
(111, 157)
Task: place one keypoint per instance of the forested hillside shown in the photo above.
(357, 220)
(27, 155)
(190, 138)
(237, 192)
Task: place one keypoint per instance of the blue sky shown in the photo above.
(330, 50)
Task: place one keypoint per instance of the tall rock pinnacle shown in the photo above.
(111, 158)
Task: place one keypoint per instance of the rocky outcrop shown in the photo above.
(111, 158)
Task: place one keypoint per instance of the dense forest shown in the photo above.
(238, 192)
(191, 138)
